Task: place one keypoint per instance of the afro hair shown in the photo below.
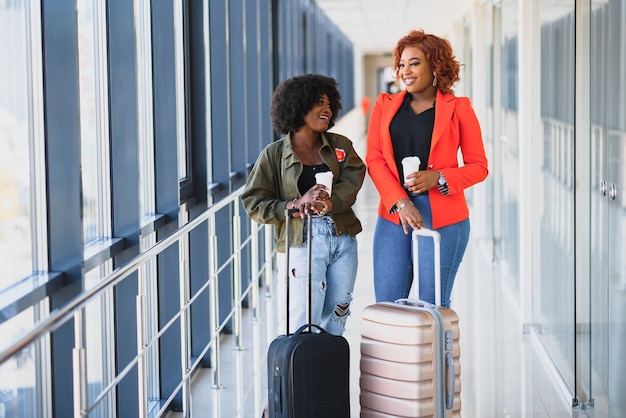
(296, 96)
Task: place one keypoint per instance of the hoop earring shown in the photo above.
(434, 80)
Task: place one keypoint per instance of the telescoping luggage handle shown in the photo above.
(288, 218)
(449, 360)
(437, 244)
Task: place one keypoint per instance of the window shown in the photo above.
(16, 134)
(96, 202)
(147, 201)
(94, 135)
(145, 131)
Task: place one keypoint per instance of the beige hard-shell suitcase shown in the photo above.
(410, 354)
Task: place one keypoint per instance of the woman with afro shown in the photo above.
(283, 177)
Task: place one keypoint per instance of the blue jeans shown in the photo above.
(334, 261)
(393, 266)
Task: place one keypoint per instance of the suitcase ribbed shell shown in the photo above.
(398, 360)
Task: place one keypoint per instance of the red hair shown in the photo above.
(438, 53)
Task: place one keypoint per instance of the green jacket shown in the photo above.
(273, 182)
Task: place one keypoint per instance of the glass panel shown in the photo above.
(147, 273)
(616, 57)
(99, 347)
(617, 259)
(15, 168)
(23, 247)
(488, 126)
(599, 228)
(181, 137)
(148, 285)
(608, 259)
(145, 132)
(21, 375)
(96, 195)
(554, 297)
(22, 208)
(93, 119)
(509, 157)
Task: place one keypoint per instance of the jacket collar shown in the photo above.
(444, 107)
(290, 157)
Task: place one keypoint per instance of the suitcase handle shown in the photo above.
(310, 327)
(414, 302)
(451, 380)
(288, 219)
(289, 213)
(437, 244)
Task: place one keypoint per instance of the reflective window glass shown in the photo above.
(100, 348)
(145, 131)
(554, 285)
(509, 149)
(23, 376)
(16, 254)
(94, 141)
(147, 205)
(93, 120)
(22, 199)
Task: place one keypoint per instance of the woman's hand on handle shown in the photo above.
(410, 217)
(315, 199)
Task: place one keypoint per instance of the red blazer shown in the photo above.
(456, 128)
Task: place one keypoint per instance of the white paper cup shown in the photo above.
(410, 165)
(325, 178)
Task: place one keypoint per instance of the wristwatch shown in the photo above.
(401, 206)
(442, 184)
(398, 206)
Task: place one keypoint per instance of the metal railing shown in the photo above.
(75, 309)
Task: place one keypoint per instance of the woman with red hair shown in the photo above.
(428, 121)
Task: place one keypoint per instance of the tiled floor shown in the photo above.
(501, 374)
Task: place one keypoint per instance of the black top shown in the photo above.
(307, 178)
(411, 134)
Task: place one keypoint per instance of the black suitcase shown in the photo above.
(309, 370)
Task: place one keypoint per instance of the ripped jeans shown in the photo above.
(334, 261)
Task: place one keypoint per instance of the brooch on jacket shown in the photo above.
(341, 154)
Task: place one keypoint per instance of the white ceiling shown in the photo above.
(374, 26)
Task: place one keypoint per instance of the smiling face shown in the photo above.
(415, 72)
(319, 116)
